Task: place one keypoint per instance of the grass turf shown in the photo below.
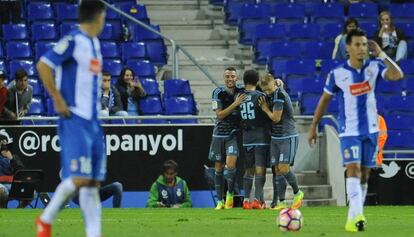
(319, 221)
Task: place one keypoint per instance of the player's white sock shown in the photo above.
(353, 189)
(90, 204)
(364, 190)
(63, 192)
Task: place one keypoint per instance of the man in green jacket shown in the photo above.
(169, 190)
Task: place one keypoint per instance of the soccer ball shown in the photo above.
(290, 219)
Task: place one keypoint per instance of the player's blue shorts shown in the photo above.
(83, 150)
(360, 149)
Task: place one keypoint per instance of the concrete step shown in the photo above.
(188, 24)
(192, 42)
(175, 15)
(204, 53)
(193, 34)
(322, 191)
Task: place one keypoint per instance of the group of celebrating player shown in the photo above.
(263, 111)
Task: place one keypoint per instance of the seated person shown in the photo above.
(111, 190)
(9, 165)
(339, 51)
(130, 88)
(391, 39)
(169, 190)
(111, 103)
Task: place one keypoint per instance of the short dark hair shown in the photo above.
(352, 33)
(106, 74)
(20, 74)
(348, 22)
(251, 77)
(89, 9)
(170, 165)
(230, 69)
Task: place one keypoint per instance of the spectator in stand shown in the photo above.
(339, 51)
(9, 165)
(20, 95)
(391, 39)
(169, 190)
(129, 87)
(111, 99)
(10, 8)
(3, 94)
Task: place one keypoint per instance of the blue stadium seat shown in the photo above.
(328, 64)
(179, 105)
(142, 68)
(111, 15)
(66, 12)
(408, 29)
(289, 13)
(364, 12)
(133, 50)
(303, 31)
(50, 107)
(176, 87)
(328, 12)
(154, 121)
(142, 34)
(317, 50)
(304, 67)
(37, 87)
(107, 33)
(27, 65)
(157, 52)
(15, 32)
(113, 66)
(233, 11)
(138, 11)
(331, 30)
(402, 12)
(401, 103)
(110, 49)
(183, 121)
(254, 11)
(247, 30)
(44, 31)
(285, 50)
(400, 139)
(382, 104)
(39, 11)
(151, 86)
(277, 67)
(269, 31)
(409, 84)
(151, 105)
(397, 121)
(389, 86)
(67, 27)
(407, 66)
(370, 28)
(311, 85)
(2, 53)
(42, 47)
(36, 107)
(309, 103)
(16, 49)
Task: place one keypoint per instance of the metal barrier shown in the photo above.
(175, 47)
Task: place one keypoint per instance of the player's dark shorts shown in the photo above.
(256, 156)
(221, 147)
(83, 150)
(360, 149)
(283, 151)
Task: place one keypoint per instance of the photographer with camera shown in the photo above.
(9, 165)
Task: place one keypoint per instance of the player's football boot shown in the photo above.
(297, 200)
(43, 229)
(229, 201)
(263, 204)
(246, 205)
(256, 204)
(220, 205)
(280, 206)
(356, 224)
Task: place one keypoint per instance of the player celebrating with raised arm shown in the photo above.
(256, 139)
(76, 61)
(224, 147)
(284, 142)
(354, 82)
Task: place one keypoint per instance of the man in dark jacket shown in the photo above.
(169, 190)
(9, 165)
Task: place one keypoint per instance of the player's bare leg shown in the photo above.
(230, 176)
(356, 220)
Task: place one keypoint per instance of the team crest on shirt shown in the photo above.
(347, 154)
(179, 192)
(95, 66)
(164, 194)
(358, 89)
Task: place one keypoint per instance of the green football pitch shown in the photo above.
(318, 221)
